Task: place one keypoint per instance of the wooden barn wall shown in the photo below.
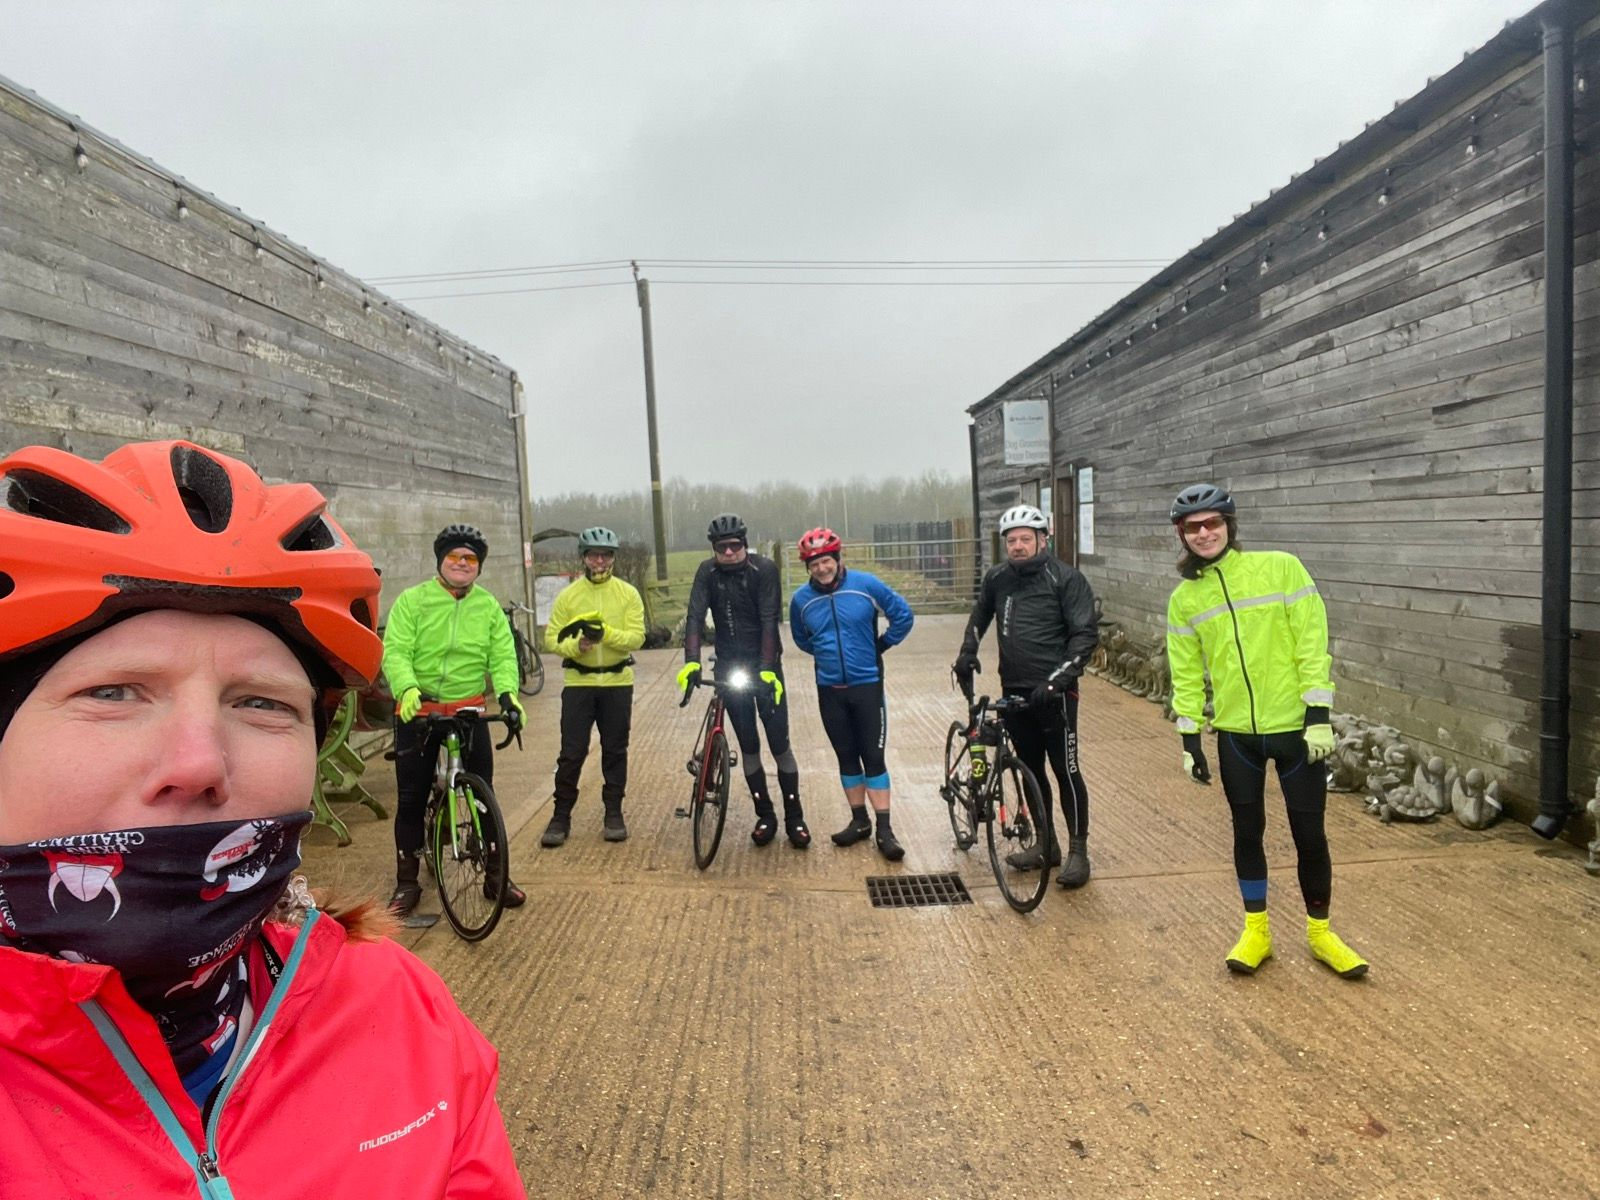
(121, 320)
(1369, 385)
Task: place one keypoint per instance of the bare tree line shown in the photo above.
(781, 509)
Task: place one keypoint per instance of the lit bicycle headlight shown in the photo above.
(739, 679)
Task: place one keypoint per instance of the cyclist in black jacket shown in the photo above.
(1047, 630)
(744, 596)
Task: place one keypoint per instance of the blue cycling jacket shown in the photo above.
(839, 629)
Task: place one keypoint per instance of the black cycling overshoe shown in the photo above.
(889, 846)
(799, 835)
(406, 897)
(766, 828)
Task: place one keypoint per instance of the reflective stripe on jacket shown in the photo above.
(839, 629)
(365, 1080)
(446, 647)
(1253, 620)
(620, 607)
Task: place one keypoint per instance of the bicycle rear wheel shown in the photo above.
(708, 808)
(530, 667)
(957, 787)
(469, 858)
(1018, 823)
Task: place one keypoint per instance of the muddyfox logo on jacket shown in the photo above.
(167, 906)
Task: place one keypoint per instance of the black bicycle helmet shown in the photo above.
(452, 536)
(1201, 497)
(727, 525)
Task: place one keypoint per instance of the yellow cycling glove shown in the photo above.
(770, 678)
(409, 704)
(688, 677)
(1319, 742)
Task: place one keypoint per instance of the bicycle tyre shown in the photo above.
(530, 667)
(957, 789)
(471, 867)
(708, 809)
(1017, 822)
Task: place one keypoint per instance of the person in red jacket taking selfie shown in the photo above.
(177, 1015)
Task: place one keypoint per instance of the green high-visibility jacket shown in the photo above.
(446, 647)
(1253, 620)
(620, 608)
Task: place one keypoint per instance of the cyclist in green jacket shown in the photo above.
(444, 638)
(596, 623)
(1254, 622)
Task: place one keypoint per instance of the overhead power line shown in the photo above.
(832, 283)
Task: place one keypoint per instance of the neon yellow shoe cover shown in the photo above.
(1254, 946)
(1328, 947)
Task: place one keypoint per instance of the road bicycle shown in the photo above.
(530, 667)
(985, 783)
(463, 832)
(710, 766)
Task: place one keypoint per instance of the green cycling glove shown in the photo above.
(1319, 742)
(688, 677)
(770, 678)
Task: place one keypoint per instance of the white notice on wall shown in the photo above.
(1027, 432)
(1085, 485)
(1086, 529)
(545, 590)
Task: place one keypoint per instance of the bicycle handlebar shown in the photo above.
(466, 717)
(718, 685)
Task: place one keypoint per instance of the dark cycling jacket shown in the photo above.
(745, 603)
(1046, 621)
(840, 628)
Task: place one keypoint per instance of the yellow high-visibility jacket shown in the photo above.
(447, 647)
(620, 608)
(1254, 621)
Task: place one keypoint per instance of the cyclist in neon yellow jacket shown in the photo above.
(596, 623)
(1254, 622)
(444, 639)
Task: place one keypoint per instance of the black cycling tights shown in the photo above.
(1052, 733)
(1243, 758)
(857, 723)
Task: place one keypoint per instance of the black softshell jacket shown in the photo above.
(745, 603)
(1045, 615)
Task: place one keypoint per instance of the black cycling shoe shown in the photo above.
(555, 833)
(405, 899)
(889, 847)
(764, 831)
(859, 830)
(515, 896)
(799, 835)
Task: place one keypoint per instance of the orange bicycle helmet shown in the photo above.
(173, 525)
(815, 543)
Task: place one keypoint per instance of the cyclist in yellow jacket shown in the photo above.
(596, 623)
(1254, 622)
(443, 640)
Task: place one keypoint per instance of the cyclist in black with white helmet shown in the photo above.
(744, 596)
(1047, 630)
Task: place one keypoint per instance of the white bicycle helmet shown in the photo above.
(1023, 516)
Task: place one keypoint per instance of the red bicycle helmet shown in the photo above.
(173, 525)
(815, 543)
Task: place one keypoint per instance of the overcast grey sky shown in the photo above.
(401, 138)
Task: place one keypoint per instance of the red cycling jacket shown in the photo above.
(361, 1077)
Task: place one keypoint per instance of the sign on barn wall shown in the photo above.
(1027, 432)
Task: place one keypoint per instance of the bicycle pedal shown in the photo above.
(680, 812)
(693, 766)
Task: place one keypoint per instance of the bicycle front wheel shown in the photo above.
(708, 809)
(1018, 828)
(957, 787)
(469, 858)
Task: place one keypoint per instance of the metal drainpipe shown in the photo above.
(977, 511)
(1555, 701)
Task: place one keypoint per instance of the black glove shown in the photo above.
(583, 629)
(1042, 695)
(883, 644)
(1195, 759)
(967, 665)
(512, 711)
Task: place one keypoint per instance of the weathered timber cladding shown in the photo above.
(1360, 359)
(122, 320)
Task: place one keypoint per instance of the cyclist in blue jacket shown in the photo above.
(834, 618)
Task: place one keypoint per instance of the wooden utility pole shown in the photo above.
(643, 286)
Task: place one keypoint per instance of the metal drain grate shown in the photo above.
(916, 891)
